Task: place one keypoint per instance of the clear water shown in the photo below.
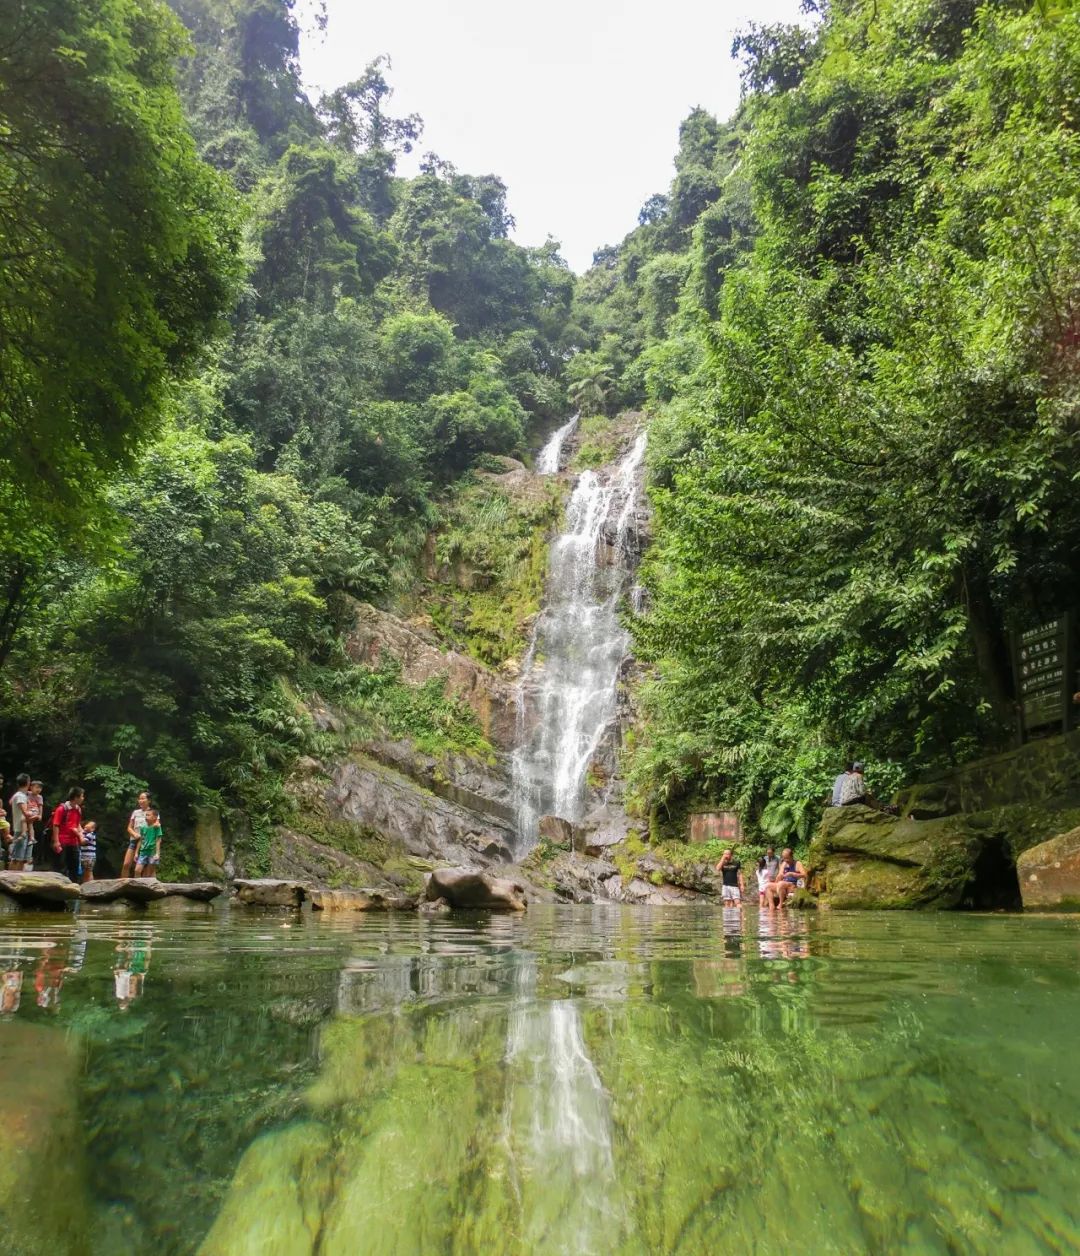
(567, 692)
(581, 1080)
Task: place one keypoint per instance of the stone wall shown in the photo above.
(1034, 773)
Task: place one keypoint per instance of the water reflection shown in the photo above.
(580, 1080)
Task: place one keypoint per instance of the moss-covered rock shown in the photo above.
(276, 1202)
(862, 858)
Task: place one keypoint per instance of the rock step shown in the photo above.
(51, 888)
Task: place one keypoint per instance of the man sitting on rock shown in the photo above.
(850, 788)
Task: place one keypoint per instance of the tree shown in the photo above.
(119, 256)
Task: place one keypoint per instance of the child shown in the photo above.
(149, 852)
(89, 850)
(35, 809)
(762, 879)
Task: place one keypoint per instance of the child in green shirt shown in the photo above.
(148, 855)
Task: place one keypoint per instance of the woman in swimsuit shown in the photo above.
(791, 872)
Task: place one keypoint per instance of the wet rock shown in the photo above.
(147, 890)
(862, 858)
(434, 907)
(278, 1194)
(579, 880)
(40, 888)
(473, 888)
(1049, 873)
(360, 900)
(557, 831)
(266, 892)
(200, 891)
(646, 894)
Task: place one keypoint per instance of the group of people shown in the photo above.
(777, 879)
(73, 839)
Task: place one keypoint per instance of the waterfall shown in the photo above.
(567, 692)
(547, 460)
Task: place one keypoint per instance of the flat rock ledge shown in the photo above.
(361, 900)
(471, 888)
(147, 890)
(42, 888)
(266, 892)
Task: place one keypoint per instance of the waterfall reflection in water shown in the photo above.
(582, 1079)
(559, 1134)
(567, 692)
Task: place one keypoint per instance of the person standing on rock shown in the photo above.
(772, 864)
(67, 832)
(21, 825)
(89, 850)
(149, 855)
(136, 821)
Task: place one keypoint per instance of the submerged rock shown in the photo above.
(276, 1202)
(862, 858)
(266, 892)
(1049, 874)
(360, 900)
(43, 1191)
(472, 888)
(42, 888)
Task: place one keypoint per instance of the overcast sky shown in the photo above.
(575, 104)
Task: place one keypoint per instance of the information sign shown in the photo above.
(1043, 661)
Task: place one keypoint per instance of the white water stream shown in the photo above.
(559, 1134)
(567, 694)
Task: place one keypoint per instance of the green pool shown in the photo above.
(582, 1080)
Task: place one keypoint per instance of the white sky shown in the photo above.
(575, 104)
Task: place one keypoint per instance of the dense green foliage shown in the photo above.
(861, 361)
(117, 256)
(384, 335)
(248, 373)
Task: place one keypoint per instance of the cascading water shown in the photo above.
(559, 1134)
(547, 460)
(567, 693)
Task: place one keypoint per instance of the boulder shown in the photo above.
(863, 858)
(557, 831)
(40, 888)
(360, 900)
(267, 892)
(46, 1205)
(278, 1194)
(1049, 874)
(471, 887)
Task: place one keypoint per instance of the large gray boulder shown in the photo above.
(473, 888)
(267, 892)
(39, 888)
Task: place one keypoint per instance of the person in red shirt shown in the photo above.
(67, 832)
